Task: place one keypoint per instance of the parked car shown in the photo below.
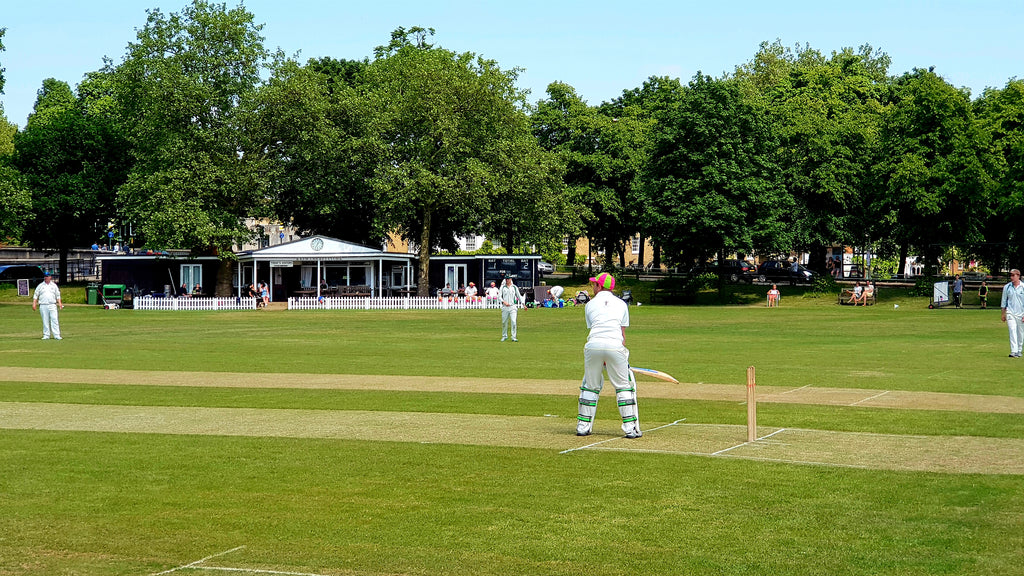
(16, 272)
(545, 267)
(732, 270)
(783, 271)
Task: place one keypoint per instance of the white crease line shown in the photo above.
(193, 564)
(871, 398)
(795, 389)
(620, 438)
(746, 443)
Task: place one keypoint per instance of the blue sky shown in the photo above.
(599, 47)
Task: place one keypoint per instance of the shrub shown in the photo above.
(824, 286)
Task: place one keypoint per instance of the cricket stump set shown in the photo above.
(751, 397)
(751, 406)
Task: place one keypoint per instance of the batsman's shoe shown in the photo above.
(583, 433)
(634, 434)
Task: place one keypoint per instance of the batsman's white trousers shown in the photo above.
(615, 361)
(1015, 324)
(508, 316)
(51, 325)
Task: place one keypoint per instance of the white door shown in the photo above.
(455, 275)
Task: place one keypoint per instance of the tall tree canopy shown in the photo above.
(309, 122)
(827, 112)
(714, 175)
(3, 80)
(179, 88)
(603, 150)
(447, 137)
(933, 178)
(1001, 112)
(72, 158)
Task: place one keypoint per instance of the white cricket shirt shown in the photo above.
(606, 316)
(47, 293)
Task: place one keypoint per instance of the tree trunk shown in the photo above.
(225, 270)
(904, 252)
(817, 258)
(423, 285)
(570, 256)
(656, 260)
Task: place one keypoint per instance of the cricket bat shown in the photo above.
(654, 374)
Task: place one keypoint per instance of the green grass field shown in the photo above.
(445, 462)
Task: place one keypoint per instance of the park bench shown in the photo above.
(671, 295)
(847, 294)
(354, 291)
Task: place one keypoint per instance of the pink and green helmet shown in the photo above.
(604, 280)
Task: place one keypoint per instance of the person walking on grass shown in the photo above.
(47, 300)
(511, 300)
(983, 295)
(1012, 304)
(958, 292)
(607, 317)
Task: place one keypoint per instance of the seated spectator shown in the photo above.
(773, 297)
(492, 293)
(446, 291)
(858, 290)
(869, 291)
(197, 290)
(471, 292)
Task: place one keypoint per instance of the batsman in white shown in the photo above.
(607, 317)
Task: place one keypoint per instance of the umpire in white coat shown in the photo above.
(47, 299)
(607, 317)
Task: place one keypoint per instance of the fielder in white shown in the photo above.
(607, 317)
(1013, 312)
(47, 299)
(511, 301)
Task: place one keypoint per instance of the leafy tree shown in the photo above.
(1001, 112)
(72, 160)
(309, 122)
(655, 98)
(827, 112)
(179, 89)
(603, 150)
(560, 125)
(529, 205)
(933, 179)
(7, 131)
(714, 174)
(443, 127)
(3, 80)
(14, 197)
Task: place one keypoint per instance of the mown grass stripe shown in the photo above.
(949, 454)
(866, 398)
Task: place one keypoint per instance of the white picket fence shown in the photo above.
(390, 303)
(194, 303)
